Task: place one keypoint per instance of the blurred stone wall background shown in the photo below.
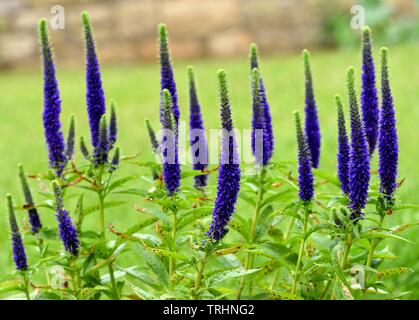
(126, 29)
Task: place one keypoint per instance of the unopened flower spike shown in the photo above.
(19, 255)
(69, 149)
(343, 148)
(83, 148)
(115, 160)
(167, 80)
(66, 228)
(101, 151)
(95, 96)
(359, 166)
(52, 105)
(267, 121)
(312, 126)
(369, 97)
(229, 170)
(388, 149)
(259, 137)
(34, 219)
(171, 168)
(197, 133)
(305, 175)
(152, 136)
(113, 129)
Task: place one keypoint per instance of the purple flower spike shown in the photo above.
(67, 230)
(19, 255)
(369, 98)
(305, 175)
(166, 71)
(169, 147)
(343, 148)
(312, 126)
(270, 143)
(100, 155)
(260, 139)
(52, 105)
(113, 129)
(69, 149)
(229, 171)
(359, 167)
(387, 139)
(34, 219)
(198, 141)
(95, 96)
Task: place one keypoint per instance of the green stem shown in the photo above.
(113, 282)
(102, 195)
(301, 252)
(172, 261)
(343, 262)
(249, 257)
(286, 235)
(198, 277)
(26, 282)
(374, 243)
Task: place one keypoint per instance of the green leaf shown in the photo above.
(392, 271)
(121, 182)
(141, 225)
(226, 251)
(405, 226)
(374, 234)
(192, 215)
(160, 215)
(279, 295)
(154, 263)
(143, 294)
(109, 204)
(406, 206)
(229, 274)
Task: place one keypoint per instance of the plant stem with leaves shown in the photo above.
(301, 250)
(249, 257)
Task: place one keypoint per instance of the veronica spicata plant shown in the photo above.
(271, 229)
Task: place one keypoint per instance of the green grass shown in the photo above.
(136, 91)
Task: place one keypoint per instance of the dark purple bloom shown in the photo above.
(115, 160)
(34, 219)
(260, 139)
(52, 105)
(83, 148)
(169, 147)
(100, 155)
(343, 148)
(312, 127)
(95, 96)
(154, 144)
(270, 143)
(229, 170)
(387, 139)
(369, 98)
(152, 136)
(113, 129)
(69, 149)
(359, 164)
(19, 255)
(305, 175)
(66, 228)
(198, 141)
(167, 80)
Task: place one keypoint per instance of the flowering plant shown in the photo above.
(311, 234)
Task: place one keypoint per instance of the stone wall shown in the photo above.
(126, 29)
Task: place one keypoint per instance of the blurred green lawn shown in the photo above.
(136, 91)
